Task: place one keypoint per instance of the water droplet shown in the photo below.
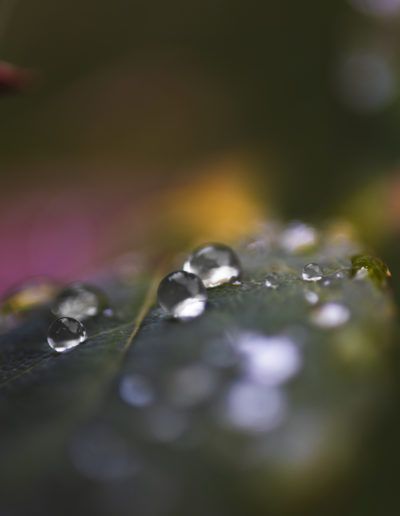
(312, 272)
(79, 301)
(215, 264)
(330, 315)
(298, 237)
(364, 266)
(272, 281)
(136, 390)
(65, 333)
(311, 297)
(254, 408)
(182, 295)
(271, 360)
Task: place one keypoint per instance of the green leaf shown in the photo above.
(209, 434)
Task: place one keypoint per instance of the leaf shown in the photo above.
(153, 416)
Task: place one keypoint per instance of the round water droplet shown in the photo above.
(312, 272)
(272, 281)
(182, 295)
(364, 266)
(330, 315)
(79, 301)
(65, 333)
(215, 264)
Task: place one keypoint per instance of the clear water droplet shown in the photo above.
(298, 237)
(330, 315)
(215, 264)
(365, 266)
(182, 295)
(65, 333)
(272, 281)
(312, 272)
(79, 301)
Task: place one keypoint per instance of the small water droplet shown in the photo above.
(298, 237)
(215, 264)
(136, 390)
(312, 272)
(79, 301)
(364, 266)
(311, 297)
(330, 315)
(182, 295)
(65, 333)
(272, 281)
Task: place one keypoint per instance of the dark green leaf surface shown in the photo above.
(70, 442)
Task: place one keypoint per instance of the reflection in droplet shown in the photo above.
(136, 390)
(298, 237)
(65, 333)
(366, 81)
(330, 315)
(254, 408)
(182, 295)
(271, 360)
(100, 454)
(312, 272)
(191, 385)
(272, 281)
(215, 264)
(79, 301)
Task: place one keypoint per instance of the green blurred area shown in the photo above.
(159, 87)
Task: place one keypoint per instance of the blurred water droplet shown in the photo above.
(366, 81)
(215, 264)
(182, 295)
(312, 272)
(65, 333)
(311, 297)
(365, 266)
(28, 296)
(380, 8)
(136, 390)
(254, 408)
(330, 315)
(79, 301)
(272, 281)
(166, 425)
(191, 385)
(298, 237)
(100, 454)
(271, 360)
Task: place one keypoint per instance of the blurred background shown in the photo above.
(120, 117)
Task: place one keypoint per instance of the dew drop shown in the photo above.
(364, 266)
(330, 315)
(272, 281)
(215, 264)
(312, 272)
(79, 301)
(182, 295)
(65, 333)
(136, 391)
